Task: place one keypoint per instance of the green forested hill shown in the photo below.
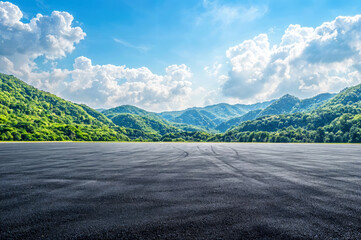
(110, 113)
(222, 116)
(284, 105)
(281, 106)
(255, 106)
(160, 130)
(238, 120)
(133, 117)
(337, 120)
(210, 117)
(195, 117)
(310, 104)
(348, 96)
(29, 114)
(143, 123)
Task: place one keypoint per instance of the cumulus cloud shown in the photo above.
(110, 85)
(51, 37)
(213, 70)
(306, 62)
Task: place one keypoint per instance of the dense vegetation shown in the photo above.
(210, 117)
(110, 113)
(337, 120)
(310, 104)
(30, 114)
(281, 106)
(284, 105)
(133, 117)
(143, 123)
(223, 127)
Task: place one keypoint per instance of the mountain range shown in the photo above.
(284, 105)
(223, 116)
(27, 113)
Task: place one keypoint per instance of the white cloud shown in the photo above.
(225, 14)
(248, 61)
(306, 62)
(110, 86)
(51, 37)
(213, 70)
(129, 45)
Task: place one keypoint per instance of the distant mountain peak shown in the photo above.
(288, 96)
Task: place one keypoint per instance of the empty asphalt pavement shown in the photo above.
(179, 191)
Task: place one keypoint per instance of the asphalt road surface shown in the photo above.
(179, 191)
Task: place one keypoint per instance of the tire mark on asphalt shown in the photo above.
(263, 175)
(264, 165)
(244, 158)
(236, 170)
(183, 155)
(213, 150)
(227, 167)
(258, 177)
(315, 190)
(296, 173)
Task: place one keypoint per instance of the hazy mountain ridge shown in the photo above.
(133, 117)
(280, 106)
(223, 116)
(211, 116)
(112, 112)
(309, 104)
(238, 120)
(336, 120)
(285, 104)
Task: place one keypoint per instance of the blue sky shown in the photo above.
(192, 35)
(169, 29)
